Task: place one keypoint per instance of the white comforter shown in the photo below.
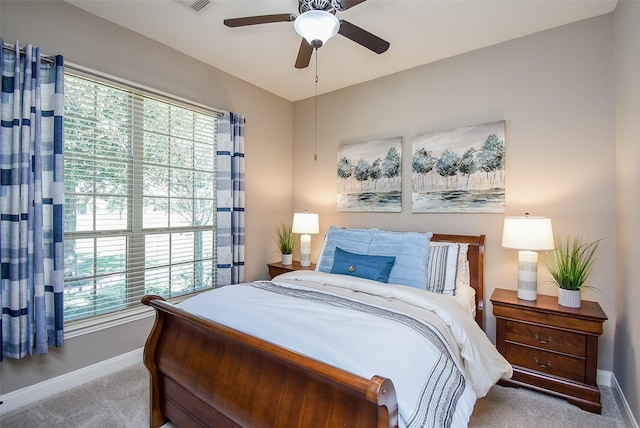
(437, 357)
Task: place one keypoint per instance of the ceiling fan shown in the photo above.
(316, 11)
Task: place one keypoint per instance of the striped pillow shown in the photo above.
(442, 267)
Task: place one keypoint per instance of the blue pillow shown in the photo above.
(354, 240)
(411, 250)
(376, 268)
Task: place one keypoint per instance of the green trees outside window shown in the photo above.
(140, 197)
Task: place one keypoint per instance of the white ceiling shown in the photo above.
(419, 31)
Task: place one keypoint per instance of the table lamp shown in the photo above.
(305, 224)
(529, 235)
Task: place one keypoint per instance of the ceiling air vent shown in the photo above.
(196, 5)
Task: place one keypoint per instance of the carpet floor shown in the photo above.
(120, 400)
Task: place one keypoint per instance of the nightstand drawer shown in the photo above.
(551, 363)
(546, 338)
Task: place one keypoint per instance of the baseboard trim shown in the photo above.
(626, 409)
(607, 378)
(25, 396)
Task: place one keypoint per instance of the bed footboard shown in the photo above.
(206, 374)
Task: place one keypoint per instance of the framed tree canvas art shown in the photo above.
(369, 176)
(459, 170)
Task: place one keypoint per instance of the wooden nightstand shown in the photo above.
(277, 268)
(552, 349)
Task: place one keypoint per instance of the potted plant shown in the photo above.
(570, 264)
(286, 243)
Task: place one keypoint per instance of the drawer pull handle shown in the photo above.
(543, 340)
(542, 366)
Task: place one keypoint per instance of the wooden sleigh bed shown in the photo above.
(206, 374)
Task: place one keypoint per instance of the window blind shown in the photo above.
(139, 197)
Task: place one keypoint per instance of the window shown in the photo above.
(140, 197)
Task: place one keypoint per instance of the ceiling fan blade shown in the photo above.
(262, 19)
(346, 4)
(363, 37)
(304, 54)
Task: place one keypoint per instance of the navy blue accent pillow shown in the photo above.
(376, 268)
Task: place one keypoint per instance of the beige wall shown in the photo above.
(59, 28)
(556, 92)
(554, 89)
(626, 364)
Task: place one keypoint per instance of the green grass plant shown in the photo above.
(571, 262)
(284, 239)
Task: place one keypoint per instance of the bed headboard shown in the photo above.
(475, 256)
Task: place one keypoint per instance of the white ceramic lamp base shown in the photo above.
(305, 250)
(527, 275)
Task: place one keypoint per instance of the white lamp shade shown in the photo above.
(317, 25)
(305, 223)
(528, 233)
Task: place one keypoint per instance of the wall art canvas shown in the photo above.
(370, 176)
(459, 170)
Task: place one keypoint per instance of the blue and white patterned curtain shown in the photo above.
(31, 202)
(230, 221)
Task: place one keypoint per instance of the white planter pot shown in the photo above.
(569, 298)
(287, 259)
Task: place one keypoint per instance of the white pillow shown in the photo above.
(466, 297)
(463, 277)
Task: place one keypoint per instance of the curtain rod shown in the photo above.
(44, 58)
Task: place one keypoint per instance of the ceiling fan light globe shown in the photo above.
(317, 25)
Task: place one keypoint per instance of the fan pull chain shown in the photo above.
(315, 120)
